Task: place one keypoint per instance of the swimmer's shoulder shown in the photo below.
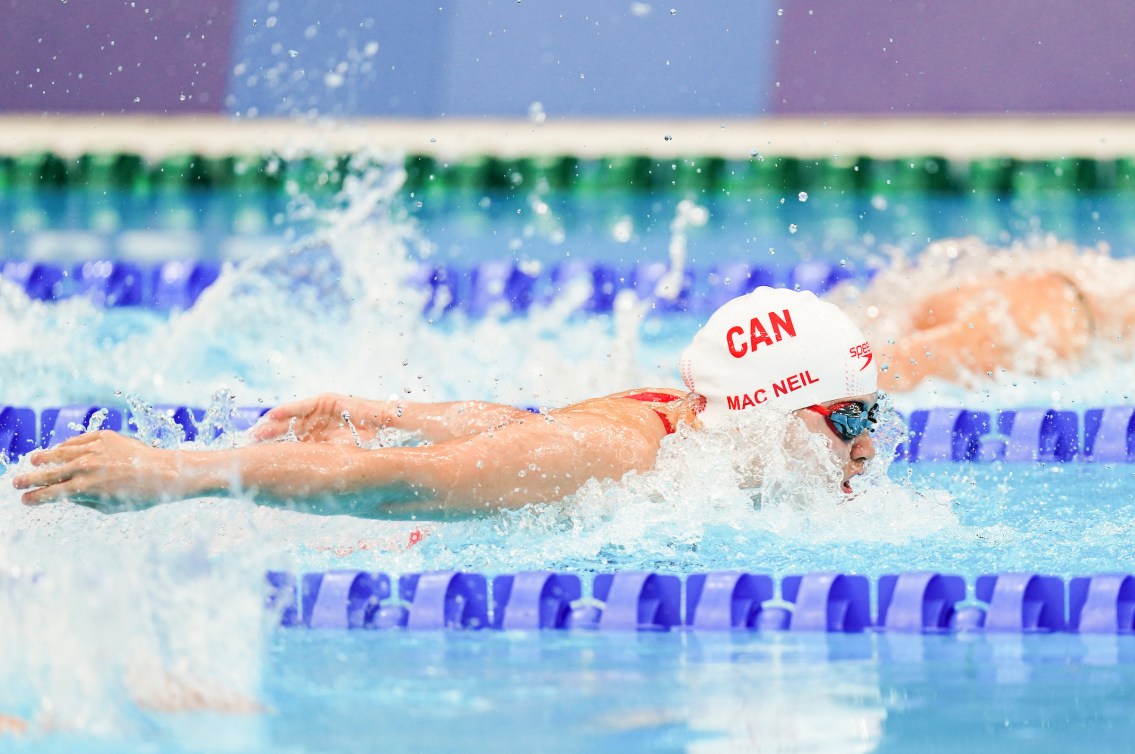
(653, 411)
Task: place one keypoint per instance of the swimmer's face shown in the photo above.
(853, 454)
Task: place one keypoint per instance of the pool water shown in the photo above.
(649, 692)
(107, 620)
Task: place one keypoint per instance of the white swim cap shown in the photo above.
(777, 347)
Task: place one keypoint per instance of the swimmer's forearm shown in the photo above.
(300, 471)
(481, 474)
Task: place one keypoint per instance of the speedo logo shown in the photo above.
(861, 351)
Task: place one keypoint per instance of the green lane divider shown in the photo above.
(693, 174)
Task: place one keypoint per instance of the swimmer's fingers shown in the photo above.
(48, 485)
(45, 477)
(95, 467)
(77, 441)
(318, 419)
(73, 447)
(300, 417)
(48, 494)
(72, 490)
(269, 428)
(61, 453)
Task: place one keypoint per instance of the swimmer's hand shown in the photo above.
(321, 419)
(100, 469)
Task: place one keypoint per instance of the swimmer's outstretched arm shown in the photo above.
(535, 459)
(321, 419)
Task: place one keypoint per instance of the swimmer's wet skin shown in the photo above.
(770, 348)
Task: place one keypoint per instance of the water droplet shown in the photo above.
(480, 464)
(623, 231)
(137, 99)
(673, 11)
(293, 53)
(668, 137)
(181, 97)
(802, 196)
(792, 228)
(536, 113)
(780, 11)
(371, 49)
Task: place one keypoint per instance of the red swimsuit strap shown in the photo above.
(651, 397)
(666, 423)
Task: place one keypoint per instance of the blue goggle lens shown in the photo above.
(851, 419)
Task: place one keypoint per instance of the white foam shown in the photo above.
(106, 619)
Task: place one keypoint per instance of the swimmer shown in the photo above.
(963, 312)
(772, 348)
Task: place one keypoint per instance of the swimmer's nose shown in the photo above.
(863, 449)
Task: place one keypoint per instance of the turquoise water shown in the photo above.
(587, 692)
(107, 620)
(542, 226)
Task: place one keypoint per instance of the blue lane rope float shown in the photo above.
(164, 285)
(1024, 435)
(915, 602)
(476, 290)
(23, 430)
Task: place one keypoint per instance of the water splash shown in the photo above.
(116, 618)
(331, 312)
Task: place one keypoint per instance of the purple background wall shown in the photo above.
(989, 56)
(632, 58)
(109, 56)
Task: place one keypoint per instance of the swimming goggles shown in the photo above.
(850, 419)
